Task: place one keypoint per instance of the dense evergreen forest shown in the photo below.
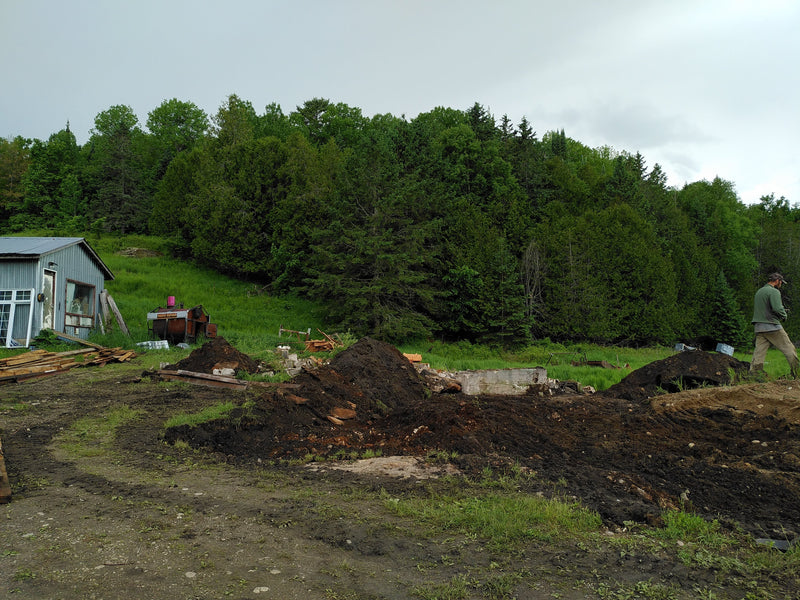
(453, 224)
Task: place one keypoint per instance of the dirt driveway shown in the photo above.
(105, 510)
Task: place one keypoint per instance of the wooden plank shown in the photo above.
(19, 378)
(329, 338)
(126, 356)
(55, 366)
(105, 309)
(76, 352)
(75, 338)
(5, 486)
(222, 381)
(31, 356)
(118, 315)
(274, 384)
(174, 376)
(209, 376)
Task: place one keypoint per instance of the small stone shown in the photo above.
(260, 590)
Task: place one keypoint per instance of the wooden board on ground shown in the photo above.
(210, 380)
(75, 338)
(5, 486)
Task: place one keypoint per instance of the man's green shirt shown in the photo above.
(768, 306)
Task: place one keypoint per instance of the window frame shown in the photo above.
(12, 298)
(86, 318)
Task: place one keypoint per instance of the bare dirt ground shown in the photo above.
(232, 508)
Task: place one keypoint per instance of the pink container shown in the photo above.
(170, 301)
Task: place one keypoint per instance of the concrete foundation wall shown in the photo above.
(500, 381)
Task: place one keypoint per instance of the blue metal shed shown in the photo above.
(49, 283)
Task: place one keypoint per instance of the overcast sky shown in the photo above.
(705, 88)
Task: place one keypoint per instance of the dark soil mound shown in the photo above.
(614, 451)
(682, 371)
(321, 411)
(216, 353)
(372, 375)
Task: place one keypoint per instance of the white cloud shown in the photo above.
(703, 88)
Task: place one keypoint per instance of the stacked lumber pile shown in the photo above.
(37, 363)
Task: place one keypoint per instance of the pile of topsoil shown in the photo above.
(682, 371)
(614, 451)
(216, 353)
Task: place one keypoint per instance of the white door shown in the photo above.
(49, 302)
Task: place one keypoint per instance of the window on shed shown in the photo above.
(80, 304)
(16, 313)
(5, 317)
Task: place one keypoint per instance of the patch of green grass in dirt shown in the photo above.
(644, 590)
(93, 435)
(210, 413)
(456, 589)
(733, 557)
(503, 520)
(14, 405)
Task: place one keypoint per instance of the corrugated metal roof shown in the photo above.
(33, 247)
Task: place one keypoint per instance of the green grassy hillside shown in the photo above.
(145, 275)
(250, 319)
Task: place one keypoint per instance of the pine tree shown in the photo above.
(726, 322)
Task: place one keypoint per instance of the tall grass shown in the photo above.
(246, 317)
(566, 362)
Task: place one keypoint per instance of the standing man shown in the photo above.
(768, 311)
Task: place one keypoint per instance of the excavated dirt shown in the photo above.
(626, 453)
(234, 508)
(216, 353)
(685, 370)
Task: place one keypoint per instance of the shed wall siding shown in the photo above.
(75, 265)
(18, 274)
(71, 263)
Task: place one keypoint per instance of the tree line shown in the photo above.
(452, 224)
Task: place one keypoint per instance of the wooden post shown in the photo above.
(5, 486)
(105, 311)
(118, 315)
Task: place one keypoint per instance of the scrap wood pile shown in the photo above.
(325, 345)
(37, 363)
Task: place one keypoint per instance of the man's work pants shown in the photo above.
(781, 341)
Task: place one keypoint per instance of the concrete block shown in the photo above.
(509, 382)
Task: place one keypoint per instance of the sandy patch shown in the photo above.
(401, 467)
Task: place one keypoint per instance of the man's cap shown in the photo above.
(777, 276)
